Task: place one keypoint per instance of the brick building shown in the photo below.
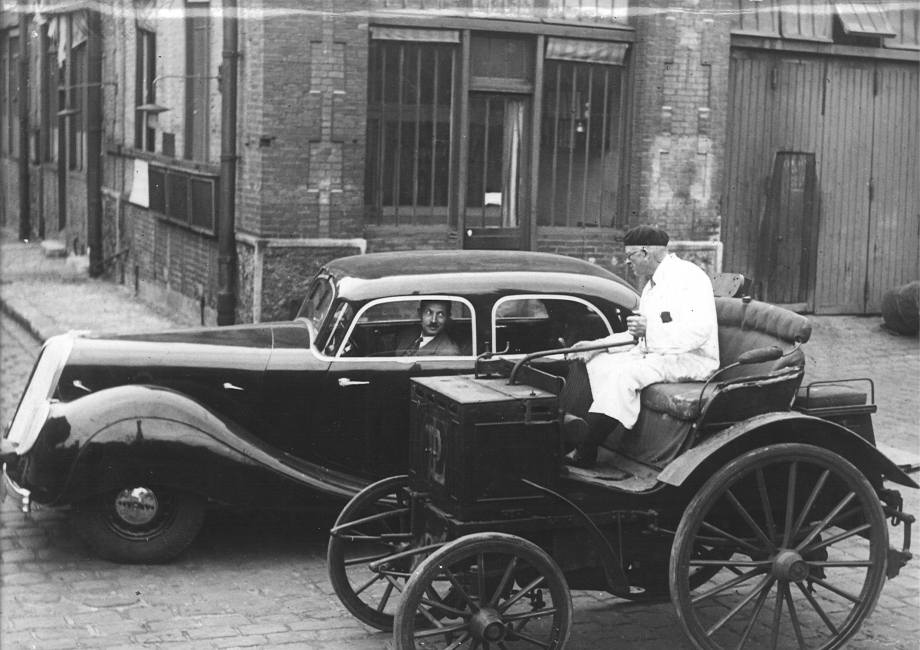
(370, 125)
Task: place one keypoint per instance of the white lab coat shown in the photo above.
(681, 342)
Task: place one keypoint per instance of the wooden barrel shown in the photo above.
(901, 308)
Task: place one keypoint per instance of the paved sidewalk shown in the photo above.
(53, 295)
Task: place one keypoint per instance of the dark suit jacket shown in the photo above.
(442, 344)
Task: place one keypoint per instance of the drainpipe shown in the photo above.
(94, 141)
(226, 237)
(25, 203)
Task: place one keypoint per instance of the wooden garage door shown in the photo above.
(894, 217)
(857, 120)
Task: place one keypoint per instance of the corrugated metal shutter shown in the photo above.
(894, 253)
(759, 18)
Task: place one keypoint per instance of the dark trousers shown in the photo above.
(576, 398)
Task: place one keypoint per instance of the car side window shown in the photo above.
(318, 302)
(341, 320)
(527, 324)
(412, 326)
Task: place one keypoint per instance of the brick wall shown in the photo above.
(303, 159)
(680, 99)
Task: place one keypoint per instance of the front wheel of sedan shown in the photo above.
(139, 524)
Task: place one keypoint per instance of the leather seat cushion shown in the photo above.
(828, 395)
(680, 400)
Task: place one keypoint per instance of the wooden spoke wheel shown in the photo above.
(800, 543)
(491, 590)
(372, 527)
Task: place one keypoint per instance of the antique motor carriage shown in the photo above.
(758, 504)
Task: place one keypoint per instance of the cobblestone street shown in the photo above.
(258, 580)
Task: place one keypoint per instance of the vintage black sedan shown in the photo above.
(139, 433)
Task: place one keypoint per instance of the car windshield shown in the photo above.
(318, 301)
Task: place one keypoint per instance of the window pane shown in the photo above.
(393, 328)
(203, 203)
(157, 180)
(408, 132)
(527, 324)
(177, 195)
(580, 144)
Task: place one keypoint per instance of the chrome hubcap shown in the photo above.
(137, 506)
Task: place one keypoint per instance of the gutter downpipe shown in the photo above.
(226, 234)
(94, 141)
(25, 202)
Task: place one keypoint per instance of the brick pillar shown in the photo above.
(680, 102)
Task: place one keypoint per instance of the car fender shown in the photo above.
(131, 435)
(773, 428)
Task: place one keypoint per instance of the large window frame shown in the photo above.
(197, 80)
(408, 185)
(11, 94)
(145, 73)
(76, 123)
(409, 126)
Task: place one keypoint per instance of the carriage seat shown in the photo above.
(744, 325)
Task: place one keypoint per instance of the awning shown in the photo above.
(864, 19)
(415, 35)
(570, 49)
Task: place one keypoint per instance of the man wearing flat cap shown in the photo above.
(677, 336)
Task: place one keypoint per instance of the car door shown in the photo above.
(362, 420)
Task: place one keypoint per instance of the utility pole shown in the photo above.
(226, 229)
(94, 140)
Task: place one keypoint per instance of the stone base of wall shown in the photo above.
(381, 239)
(274, 273)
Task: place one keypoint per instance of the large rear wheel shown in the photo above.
(802, 550)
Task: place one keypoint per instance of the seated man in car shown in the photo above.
(677, 336)
(429, 336)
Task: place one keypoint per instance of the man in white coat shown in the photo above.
(676, 333)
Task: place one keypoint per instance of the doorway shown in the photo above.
(497, 169)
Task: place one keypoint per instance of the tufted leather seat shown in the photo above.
(743, 326)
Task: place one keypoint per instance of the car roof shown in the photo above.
(406, 263)
(364, 277)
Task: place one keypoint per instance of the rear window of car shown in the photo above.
(527, 324)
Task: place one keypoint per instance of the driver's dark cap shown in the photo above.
(645, 235)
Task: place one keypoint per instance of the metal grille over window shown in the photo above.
(408, 131)
(580, 139)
